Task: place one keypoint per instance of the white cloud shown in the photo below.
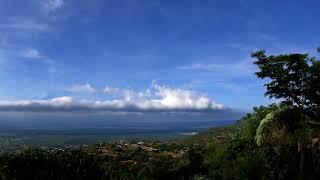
(52, 5)
(112, 90)
(157, 98)
(59, 101)
(31, 53)
(127, 94)
(161, 97)
(86, 88)
(177, 98)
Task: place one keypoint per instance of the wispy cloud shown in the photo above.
(24, 25)
(33, 23)
(82, 88)
(240, 68)
(52, 5)
(31, 53)
(241, 46)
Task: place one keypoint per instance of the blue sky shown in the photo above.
(172, 52)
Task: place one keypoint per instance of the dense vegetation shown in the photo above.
(279, 141)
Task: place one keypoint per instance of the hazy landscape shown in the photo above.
(159, 90)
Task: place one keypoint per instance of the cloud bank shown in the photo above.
(157, 98)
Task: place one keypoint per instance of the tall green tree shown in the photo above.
(313, 90)
(295, 79)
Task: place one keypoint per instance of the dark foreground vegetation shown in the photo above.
(280, 141)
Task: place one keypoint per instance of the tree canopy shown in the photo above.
(294, 78)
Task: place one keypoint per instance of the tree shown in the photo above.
(252, 120)
(313, 90)
(294, 78)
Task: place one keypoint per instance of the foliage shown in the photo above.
(228, 153)
(252, 120)
(295, 78)
(39, 164)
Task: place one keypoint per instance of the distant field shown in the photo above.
(15, 139)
